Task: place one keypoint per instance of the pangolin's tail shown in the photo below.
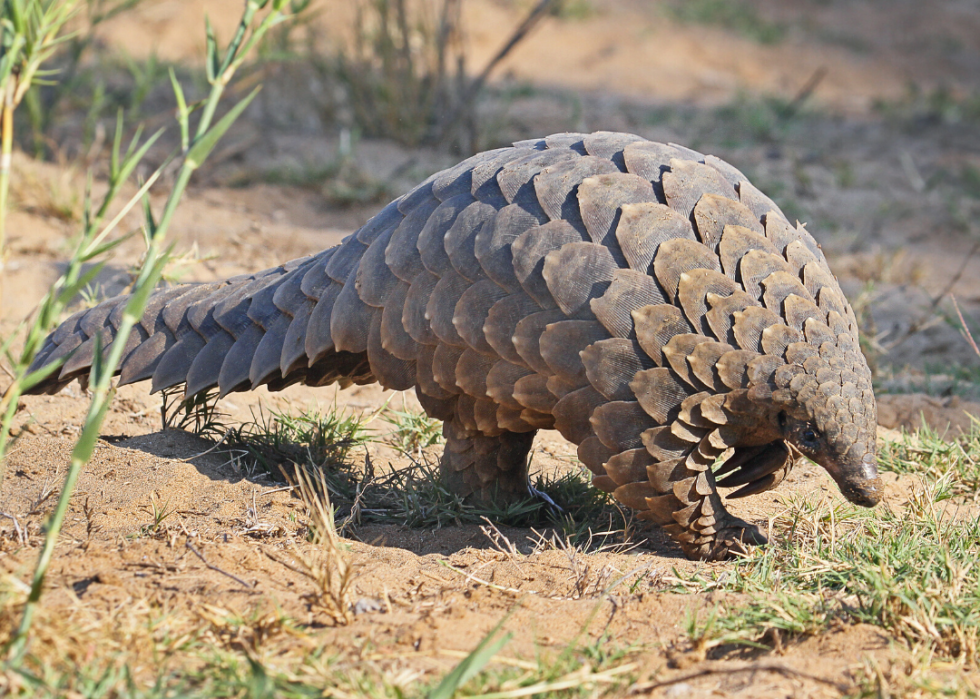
(270, 328)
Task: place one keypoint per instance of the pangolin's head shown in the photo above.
(827, 411)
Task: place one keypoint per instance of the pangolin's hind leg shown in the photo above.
(485, 469)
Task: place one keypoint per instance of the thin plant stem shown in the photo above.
(6, 156)
(103, 369)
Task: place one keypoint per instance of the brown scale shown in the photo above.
(558, 388)
(728, 171)
(660, 393)
(577, 273)
(532, 392)
(686, 182)
(798, 255)
(750, 324)
(692, 290)
(594, 454)
(518, 174)
(682, 430)
(424, 374)
(350, 320)
(642, 228)
(500, 382)
(556, 185)
(414, 318)
(471, 311)
(608, 144)
(763, 368)
(601, 197)
(675, 257)
(721, 317)
(735, 244)
(733, 368)
(493, 242)
(442, 307)
(318, 340)
(663, 445)
(394, 338)
(656, 325)
(620, 424)
(831, 299)
(444, 361)
(628, 292)
(691, 410)
(776, 338)
(401, 252)
(527, 338)
(572, 413)
(391, 372)
(485, 417)
(611, 364)
(758, 203)
(471, 372)
(650, 160)
(714, 214)
(561, 345)
(630, 466)
(635, 494)
(663, 474)
(511, 420)
(529, 251)
(756, 266)
(430, 245)
(460, 240)
(501, 324)
(817, 333)
(676, 353)
(703, 362)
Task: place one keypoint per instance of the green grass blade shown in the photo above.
(473, 663)
(205, 144)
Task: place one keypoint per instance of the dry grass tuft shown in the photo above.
(326, 564)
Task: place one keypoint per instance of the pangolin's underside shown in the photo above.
(643, 299)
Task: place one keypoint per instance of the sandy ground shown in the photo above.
(429, 594)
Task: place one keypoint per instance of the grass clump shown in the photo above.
(319, 440)
(951, 465)
(910, 572)
(404, 70)
(734, 15)
(321, 444)
(413, 431)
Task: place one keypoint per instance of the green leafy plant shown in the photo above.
(32, 34)
(413, 431)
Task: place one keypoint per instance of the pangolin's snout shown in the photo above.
(860, 482)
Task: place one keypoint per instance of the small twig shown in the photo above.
(927, 318)
(754, 667)
(289, 566)
(804, 94)
(279, 490)
(912, 172)
(489, 584)
(208, 451)
(523, 29)
(215, 568)
(964, 329)
(20, 532)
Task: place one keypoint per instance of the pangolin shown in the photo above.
(643, 299)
